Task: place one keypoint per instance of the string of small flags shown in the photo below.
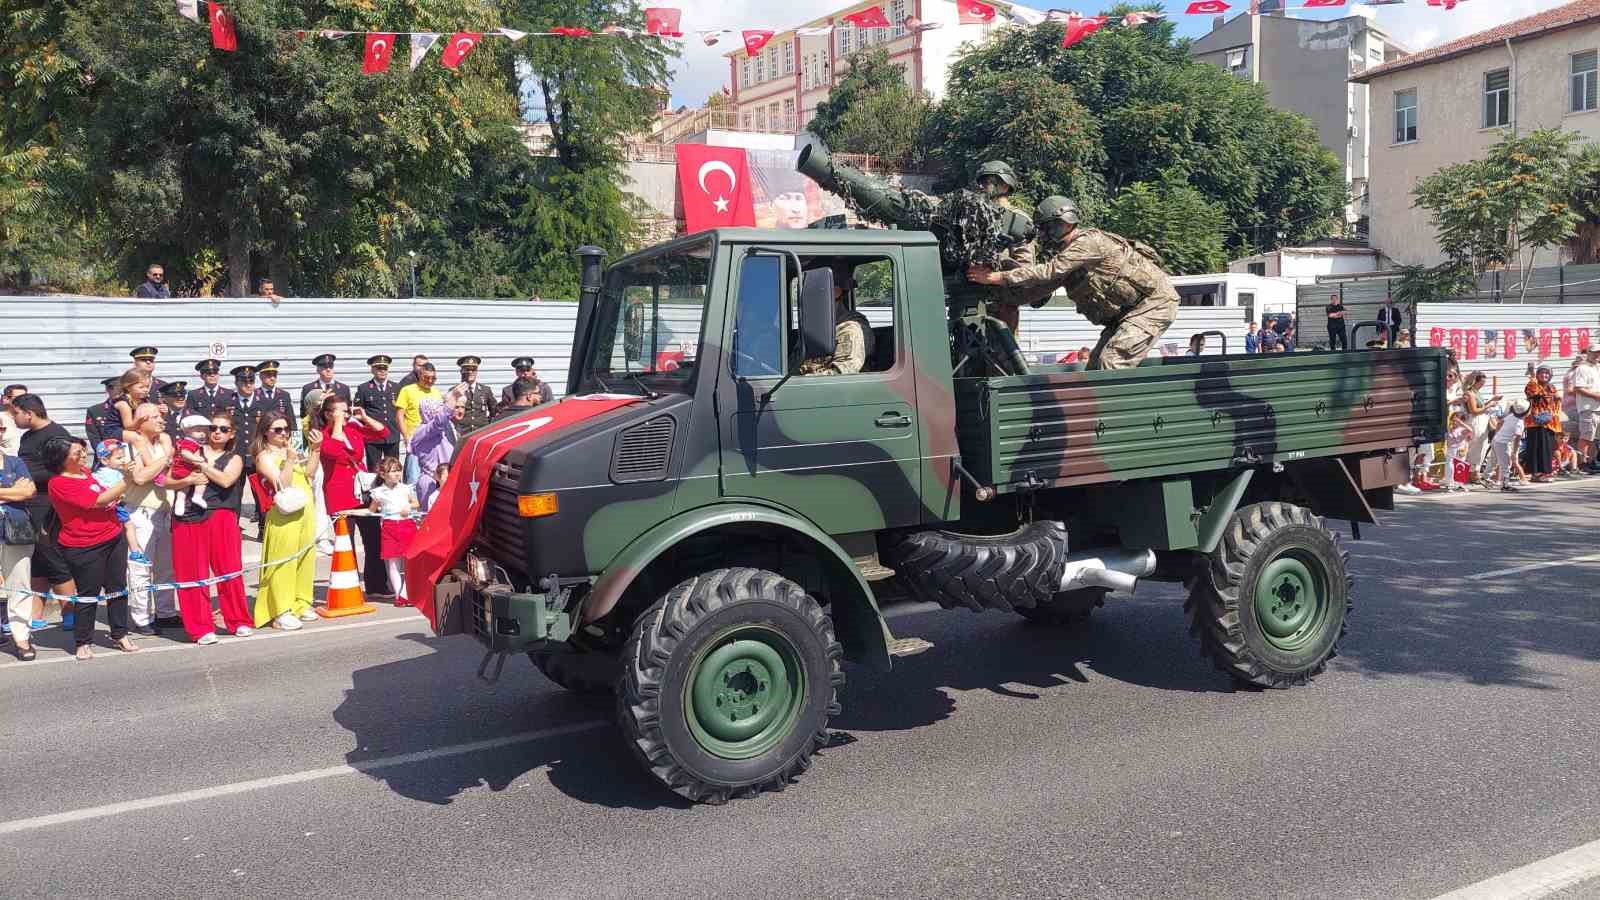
(665, 22)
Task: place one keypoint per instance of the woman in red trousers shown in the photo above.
(206, 539)
(343, 437)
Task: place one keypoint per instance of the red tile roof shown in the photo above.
(1566, 15)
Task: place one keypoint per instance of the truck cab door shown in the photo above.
(842, 450)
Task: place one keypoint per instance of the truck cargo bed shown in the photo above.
(1181, 415)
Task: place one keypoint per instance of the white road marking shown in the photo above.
(101, 651)
(244, 787)
(1539, 879)
(1531, 567)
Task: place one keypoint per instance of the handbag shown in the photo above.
(290, 500)
(16, 526)
(1542, 419)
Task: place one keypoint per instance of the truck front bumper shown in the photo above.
(507, 621)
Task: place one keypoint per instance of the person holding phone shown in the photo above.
(343, 434)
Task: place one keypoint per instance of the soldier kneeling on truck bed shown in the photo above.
(853, 339)
(1115, 282)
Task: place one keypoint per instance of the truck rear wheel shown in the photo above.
(728, 683)
(1067, 609)
(1270, 607)
(578, 670)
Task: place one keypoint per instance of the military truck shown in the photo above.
(709, 539)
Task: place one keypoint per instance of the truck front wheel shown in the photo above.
(728, 683)
(1270, 605)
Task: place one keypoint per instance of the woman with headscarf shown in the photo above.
(1544, 423)
(434, 442)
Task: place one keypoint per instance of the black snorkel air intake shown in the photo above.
(591, 274)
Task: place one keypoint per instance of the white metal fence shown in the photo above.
(1540, 334)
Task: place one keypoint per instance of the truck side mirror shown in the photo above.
(817, 336)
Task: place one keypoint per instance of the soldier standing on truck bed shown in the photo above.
(1115, 283)
(997, 181)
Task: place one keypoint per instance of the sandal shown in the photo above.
(125, 644)
(25, 652)
(84, 652)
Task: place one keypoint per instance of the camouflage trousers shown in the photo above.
(1125, 342)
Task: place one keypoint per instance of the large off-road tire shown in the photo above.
(728, 683)
(577, 669)
(1008, 572)
(1271, 605)
(1068, 609)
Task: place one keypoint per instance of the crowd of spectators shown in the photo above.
(156, 494)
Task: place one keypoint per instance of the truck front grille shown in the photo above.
(501, 530)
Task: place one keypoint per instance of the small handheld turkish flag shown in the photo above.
(223, 37)
(755, 40)
(973, 12)
(1078, 29)
(379, 47)
(460, 44)
(662, 21)
(873, 17)
(1201, 7)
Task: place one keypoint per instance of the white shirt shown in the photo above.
(11, 440)
(395, 502)
(1587, 377)
(1511, 428)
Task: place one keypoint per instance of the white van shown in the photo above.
(1257, 296)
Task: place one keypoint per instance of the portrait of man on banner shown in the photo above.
(783, 197)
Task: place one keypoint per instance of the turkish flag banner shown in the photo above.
(1078, 29)
(714, 184)
(223, 37)
(663, 21)
(1510, 344)
(1203, 7)
(1472, 343)
(1436, 336)
(458, 46)
(973, 12)
(1457, 341)
(379, 48)
(873, 17)
(568, 31)
(1583, 339)
(1564, 341)
(1309, 4)
(1546, 336)
(755, 40)
(1460, 470)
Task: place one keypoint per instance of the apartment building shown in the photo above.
(1447, 105)
(1305, 66)
(778, 89)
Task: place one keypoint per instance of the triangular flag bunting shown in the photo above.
(1314, 3)
(189, 9)
(814, 31)
(461, 43)
(1079, 29)
(710, 38)
(662, 21)
(871, 17)
(380, 46)
(568, 31)
(511, 33)
(974, 12)
(1203, 7)
(755, 40)
(1025, 15)
(333, 35)
(420, 44)
(223, 37)
(1135, 19)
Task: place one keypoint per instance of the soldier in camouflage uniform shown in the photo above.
(997, 181)
(853, 339)
(1115, 283)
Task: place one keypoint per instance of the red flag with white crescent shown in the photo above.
(459, 45)
(714, 183)
(1078, 29)
(662, 21)
(1202, 7)
(1309, 4)
(974, 12)
(379, 48)
(755, 40)
(223, 37)
(569, 31)
(873, 17)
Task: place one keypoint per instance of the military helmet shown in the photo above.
(1000, 169)
(1056, 208)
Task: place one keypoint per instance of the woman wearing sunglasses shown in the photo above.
(289, 527)
(206, 540)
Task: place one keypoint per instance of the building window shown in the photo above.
(788, 115)
(1405, 116)
(788, 58)
(761, 68)
(897, 15)
(1497, 98)
(846, 35)
(1259, 268)
(1584, 67)
(744, 73)
(1236, 63)
(746, 121)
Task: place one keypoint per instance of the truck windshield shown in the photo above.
(648, 322)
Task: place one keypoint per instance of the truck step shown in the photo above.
(872, 569)
(909, 646)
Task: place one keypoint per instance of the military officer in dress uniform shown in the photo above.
(477, 399)
(270, 398)
(173, 398)
(325, 382)
(102, 419)
(376, 397)
(524, 368)
(245, 411)
(144, 360)
(211, 399)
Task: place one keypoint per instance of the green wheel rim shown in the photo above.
(744, 692)
(1292, 599)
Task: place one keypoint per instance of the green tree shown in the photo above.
(1505, 208)
(887, 124)
(1177, 220)
(870, 72)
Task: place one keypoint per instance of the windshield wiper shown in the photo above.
(601, 381)
(643, 388)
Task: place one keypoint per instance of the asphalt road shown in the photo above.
(1454, 739)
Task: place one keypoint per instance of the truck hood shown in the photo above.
(453, 519)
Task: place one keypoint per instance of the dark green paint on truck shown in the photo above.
(815, 483)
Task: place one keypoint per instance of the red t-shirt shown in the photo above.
(82, 523)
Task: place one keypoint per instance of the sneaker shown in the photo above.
(309, 616)
(36, 624)
(207, 638)
(243, 631)
(1407, 489)
(145, 630)
(287, 622)
(1508, 489)
(138, 558)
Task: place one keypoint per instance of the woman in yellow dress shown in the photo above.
(285, 592)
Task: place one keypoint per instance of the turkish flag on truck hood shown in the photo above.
(453, 519)
(714, 183)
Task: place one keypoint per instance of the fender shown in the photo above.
(854, 608)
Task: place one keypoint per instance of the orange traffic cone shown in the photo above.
(344, 584)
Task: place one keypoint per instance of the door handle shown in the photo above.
(893, 420)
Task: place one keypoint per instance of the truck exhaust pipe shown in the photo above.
(1115, 569)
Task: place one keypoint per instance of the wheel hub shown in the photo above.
(744, 692)
(1291, 599)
